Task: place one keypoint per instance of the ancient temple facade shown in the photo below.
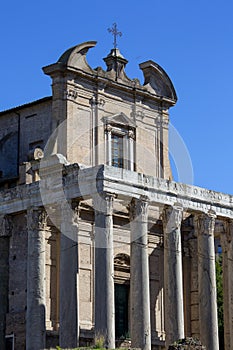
(97, 242)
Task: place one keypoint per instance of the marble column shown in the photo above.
(104, 269)
(173, 275)
(204, 226)
(35, 318)
(69, 272)
(140, 329)
(5, 232)
(227, 264)
(194, 296)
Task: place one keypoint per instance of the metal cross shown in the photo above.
(115, 33)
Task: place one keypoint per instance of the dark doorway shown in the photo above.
(121, 311)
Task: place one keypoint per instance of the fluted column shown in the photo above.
(227, 253)
(104, 269)
(35, 319)
(140, 329)
(69, 286)
(5, 232)
(204, 225)
(173, 275)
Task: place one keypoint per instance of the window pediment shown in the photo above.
(119, 119)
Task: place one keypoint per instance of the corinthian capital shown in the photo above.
(36, 218)
(204, 223)
(103, 202)
(172, 217)
(139, 209)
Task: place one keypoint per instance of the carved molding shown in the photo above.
(108, 128)
(122, 260)
(94, 102)
(5, 226)
(71, 94)
(131, 134)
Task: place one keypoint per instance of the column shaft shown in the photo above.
(227, 252)
(225, 270)
(173, 281)
(194, 304)
(139, 277)
(69, 288)
(4, 273)
(104, 270)
(35, 319)
(207, 281)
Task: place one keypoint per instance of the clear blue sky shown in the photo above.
(191, 40)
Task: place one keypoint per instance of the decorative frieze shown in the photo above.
(113, 180)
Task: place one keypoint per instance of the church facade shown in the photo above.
(97, 242)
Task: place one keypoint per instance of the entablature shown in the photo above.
(75, 182)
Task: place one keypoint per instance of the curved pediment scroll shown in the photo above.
(76, 56)
(157, 81)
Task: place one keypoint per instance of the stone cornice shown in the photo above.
(84, 183)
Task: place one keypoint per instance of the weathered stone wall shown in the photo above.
(23, 129)
(16, 316)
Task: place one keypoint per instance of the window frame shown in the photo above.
(128, 137)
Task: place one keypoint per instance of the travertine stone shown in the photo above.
(174, 310)
(104, 269)
(5, 231)
(140, 329)
(204, 226)
(69, 286)
(35, 319)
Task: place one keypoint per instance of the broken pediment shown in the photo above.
(119, 119)
(156, 80)
(75, 57)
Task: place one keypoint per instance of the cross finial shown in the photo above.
(115, 33)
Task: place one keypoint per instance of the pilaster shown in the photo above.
(173, 275)
(204, 226)
(139, 275)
